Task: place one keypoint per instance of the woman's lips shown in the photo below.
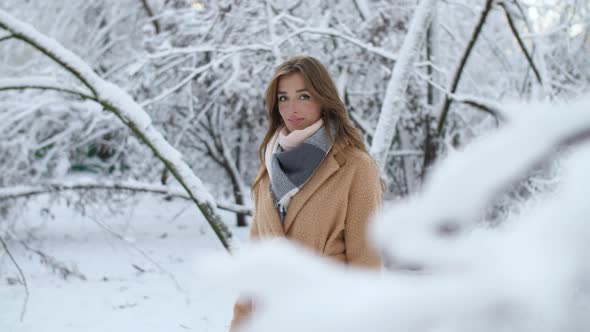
(295, 120)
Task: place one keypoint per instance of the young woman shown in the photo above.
(317, 185)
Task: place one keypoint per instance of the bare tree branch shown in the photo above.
(150, 14)
(455, 83)
(520, 42)
(482, 105)
(220, 152)
(486, 105)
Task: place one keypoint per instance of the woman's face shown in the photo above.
(297, 106)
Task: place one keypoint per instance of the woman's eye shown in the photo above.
(304, 97)
(282, 98)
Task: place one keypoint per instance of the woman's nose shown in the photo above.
(289, 107)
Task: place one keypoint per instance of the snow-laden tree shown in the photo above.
(199, 69)
(91, 86)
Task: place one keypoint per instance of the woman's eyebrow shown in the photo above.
(296, 91)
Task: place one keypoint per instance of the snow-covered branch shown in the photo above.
(185, 80)
(40, 83)
(334, 33)
(132, 186)
(393, 103)
(131, 114)
(532, 135)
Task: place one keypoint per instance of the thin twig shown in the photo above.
(56, 266)
(22, 275)
(6, 38)
(486, 108)
(150, 13)
(51, 88)
(520, 42)
(474, 36)
(359, 9)
(482, 104)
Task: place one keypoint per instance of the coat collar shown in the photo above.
(334, 160)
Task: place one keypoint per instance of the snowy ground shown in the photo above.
(124, 290)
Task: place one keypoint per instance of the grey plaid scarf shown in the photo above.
(290, 170)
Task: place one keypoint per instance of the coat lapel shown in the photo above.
(329, 166)
(271, 223)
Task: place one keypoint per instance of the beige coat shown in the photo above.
(329, 214)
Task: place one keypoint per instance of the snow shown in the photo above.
(156, 266)
(115, 295)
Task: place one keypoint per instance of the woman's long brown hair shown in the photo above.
(321, 86)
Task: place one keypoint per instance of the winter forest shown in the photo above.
(129, 136)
